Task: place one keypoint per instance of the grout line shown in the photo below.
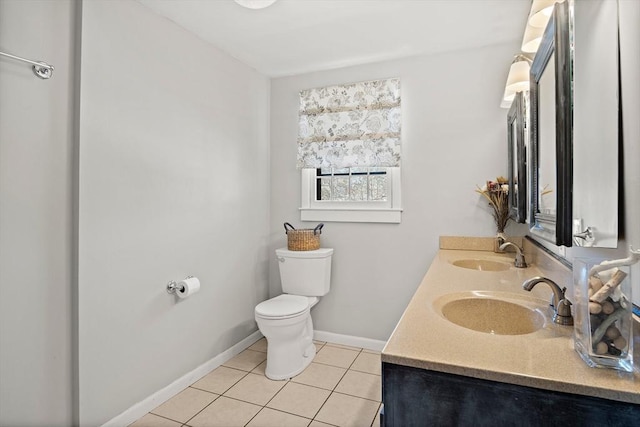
(341, 378)
(247, 423)
(344, 347)
(203, 390)
(219, 395)
(322, 406)
(162, 416)
(189, 419)
(377, 412)
(280, 410)
(228, 388)
(236, 369)
(334, 387)
(246, 401)
(338, 383)
(277, 393)
(354, 359)
(333, 366)
(197, 413)
(359, 397)
(227, 398)
(261, 351)
(364, 372)
(291, 413)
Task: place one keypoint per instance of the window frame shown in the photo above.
(388, 211)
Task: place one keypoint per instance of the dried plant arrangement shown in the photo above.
(497, 193)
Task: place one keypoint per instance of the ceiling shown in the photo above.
(299, 36)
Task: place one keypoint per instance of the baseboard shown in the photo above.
(368, 343)
(140, 409)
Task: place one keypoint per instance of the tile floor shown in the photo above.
(341, 387)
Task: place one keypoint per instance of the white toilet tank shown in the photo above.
(306, 273)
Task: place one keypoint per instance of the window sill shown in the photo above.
(392, 216)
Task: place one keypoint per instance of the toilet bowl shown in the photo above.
(285, 320)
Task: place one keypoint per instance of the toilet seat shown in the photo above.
(283, 307)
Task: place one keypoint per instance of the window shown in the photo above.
(351, 195)
(349, 152)
(352, 185)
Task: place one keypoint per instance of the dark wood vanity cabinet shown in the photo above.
(418, 397)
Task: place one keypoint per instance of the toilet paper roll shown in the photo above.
(188, 287)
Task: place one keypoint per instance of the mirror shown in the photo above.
(595, 122)
(551, 164)
(517, 129)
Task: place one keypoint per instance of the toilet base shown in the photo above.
(274, 372)
(290, 347)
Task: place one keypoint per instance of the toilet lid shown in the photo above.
(283, 305)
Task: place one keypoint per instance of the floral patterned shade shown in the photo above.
(353, 125)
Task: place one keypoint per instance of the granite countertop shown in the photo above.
(544, 359)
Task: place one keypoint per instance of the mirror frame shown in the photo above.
(517, 116)
(556, 39)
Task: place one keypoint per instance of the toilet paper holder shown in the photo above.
(173, 286)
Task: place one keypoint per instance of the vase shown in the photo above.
(603, 322)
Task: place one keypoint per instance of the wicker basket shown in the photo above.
(303, 239)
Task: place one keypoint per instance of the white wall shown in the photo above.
(453, 137)
(36, 227)
(173, 182)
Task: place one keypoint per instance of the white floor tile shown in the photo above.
(271, 418)
(185, 404)
(219, 380)
(336, 356)
(343, 410)
(256, 389)
(361, 384)
(299, 399)
(225, 412)
(247, 360)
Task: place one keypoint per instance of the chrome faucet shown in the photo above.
(519, 261)
(561, 305)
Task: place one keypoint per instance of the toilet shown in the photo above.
(285, 320)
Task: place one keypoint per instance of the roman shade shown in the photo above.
(353, 125)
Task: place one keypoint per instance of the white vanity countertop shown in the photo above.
(544, 359)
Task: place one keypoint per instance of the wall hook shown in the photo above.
(587, 238)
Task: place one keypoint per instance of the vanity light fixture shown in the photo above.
(539, 16)
(517, 80)
(541, 11)
(532, 38)
(255, 4)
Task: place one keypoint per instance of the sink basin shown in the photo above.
(492, 315)
(481, 264)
